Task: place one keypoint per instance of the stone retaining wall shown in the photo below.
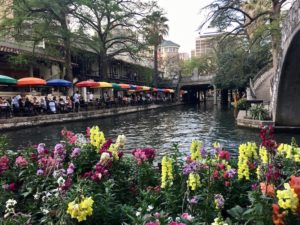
(242, 121)
(17, 122)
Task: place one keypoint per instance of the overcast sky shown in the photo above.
(184, 19)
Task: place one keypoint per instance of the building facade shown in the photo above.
(168, 58)
(205, 43)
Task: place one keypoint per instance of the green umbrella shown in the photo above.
(7, 80)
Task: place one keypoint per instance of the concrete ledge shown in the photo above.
(242, 121)
(17, 122)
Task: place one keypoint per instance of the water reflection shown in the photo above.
(159, 128)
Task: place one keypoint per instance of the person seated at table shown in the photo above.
(52, 105)
(16, 105)
(83, 104)
(62, 105)
(43, 105)
(69, 104)
(36, 106)
(28, 107)
(5, 107)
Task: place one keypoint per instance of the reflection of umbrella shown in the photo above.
(30, 81)
(86, 83)
(59, 83)
(103, 85)
(7, 80)
(154, 89)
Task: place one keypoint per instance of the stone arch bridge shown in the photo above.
(194, 85)
(285, 101)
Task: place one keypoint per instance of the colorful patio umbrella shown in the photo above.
(103, 85)
(30, 81)
(145, 88)
(116, 86)
(87, 83)
(59, 83)
(169, 90)
(154, 89)
(160, 90)
(7, 80)
(125, 86)
(132, 86)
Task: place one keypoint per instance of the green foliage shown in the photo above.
(258, 112)
(238, 60)
(242, 104)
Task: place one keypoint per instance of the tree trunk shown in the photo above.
(67, 50)
(155, 75)
(275, 32)
(103, 66)
(224, 96)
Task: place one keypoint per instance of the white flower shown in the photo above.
(37, 196)
(138, 213)
(44, 211)
(60, 181)
(105, 157)
(150, 207)
(48, 195)
(121, 140)
(10, 203)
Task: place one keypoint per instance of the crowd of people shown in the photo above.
(21, 105)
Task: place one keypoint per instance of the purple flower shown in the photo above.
(219, 201)
(231, 173)
(194, 200)
(59, 152)
(203, 152)
(75, 153)
(41, 148)
(70, 169)
(254, 186)
(191, 167)
(40, 172)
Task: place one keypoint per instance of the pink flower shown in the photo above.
(4, 160)
(21, 162)
(88, 131)
(145, 154)
(175, 223)
(187, 216)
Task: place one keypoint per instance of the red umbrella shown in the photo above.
(87, 83)
(30, 81)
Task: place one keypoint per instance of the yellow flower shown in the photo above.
(195, 150)
(81, 210)
(263, 154)
(258, 172)
(246, 152)
(97, 138)
(114, 149)
(194, 181)
(288, 199)
(166, 172)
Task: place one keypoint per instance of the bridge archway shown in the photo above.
(287, 109)
(195, 93)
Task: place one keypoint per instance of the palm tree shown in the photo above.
(155, 28)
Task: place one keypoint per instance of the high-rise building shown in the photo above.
(205, 43)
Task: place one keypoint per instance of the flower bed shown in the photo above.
(87, 179)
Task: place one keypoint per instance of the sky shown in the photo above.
(184, 20)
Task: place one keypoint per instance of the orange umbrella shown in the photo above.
(125, 86)
(87, 83)
(30, 81)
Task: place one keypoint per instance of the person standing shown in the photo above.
(76, 99)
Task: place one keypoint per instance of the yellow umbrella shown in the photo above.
(103, 85)
(145, 88)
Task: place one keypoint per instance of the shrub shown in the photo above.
(258, 112)
(242, 104)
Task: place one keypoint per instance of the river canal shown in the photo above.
(158, 128)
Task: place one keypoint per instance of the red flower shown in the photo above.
(216, 174)
(10, 187)
(224, 155)
(227, 184)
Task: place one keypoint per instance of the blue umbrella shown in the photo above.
(59, 83)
